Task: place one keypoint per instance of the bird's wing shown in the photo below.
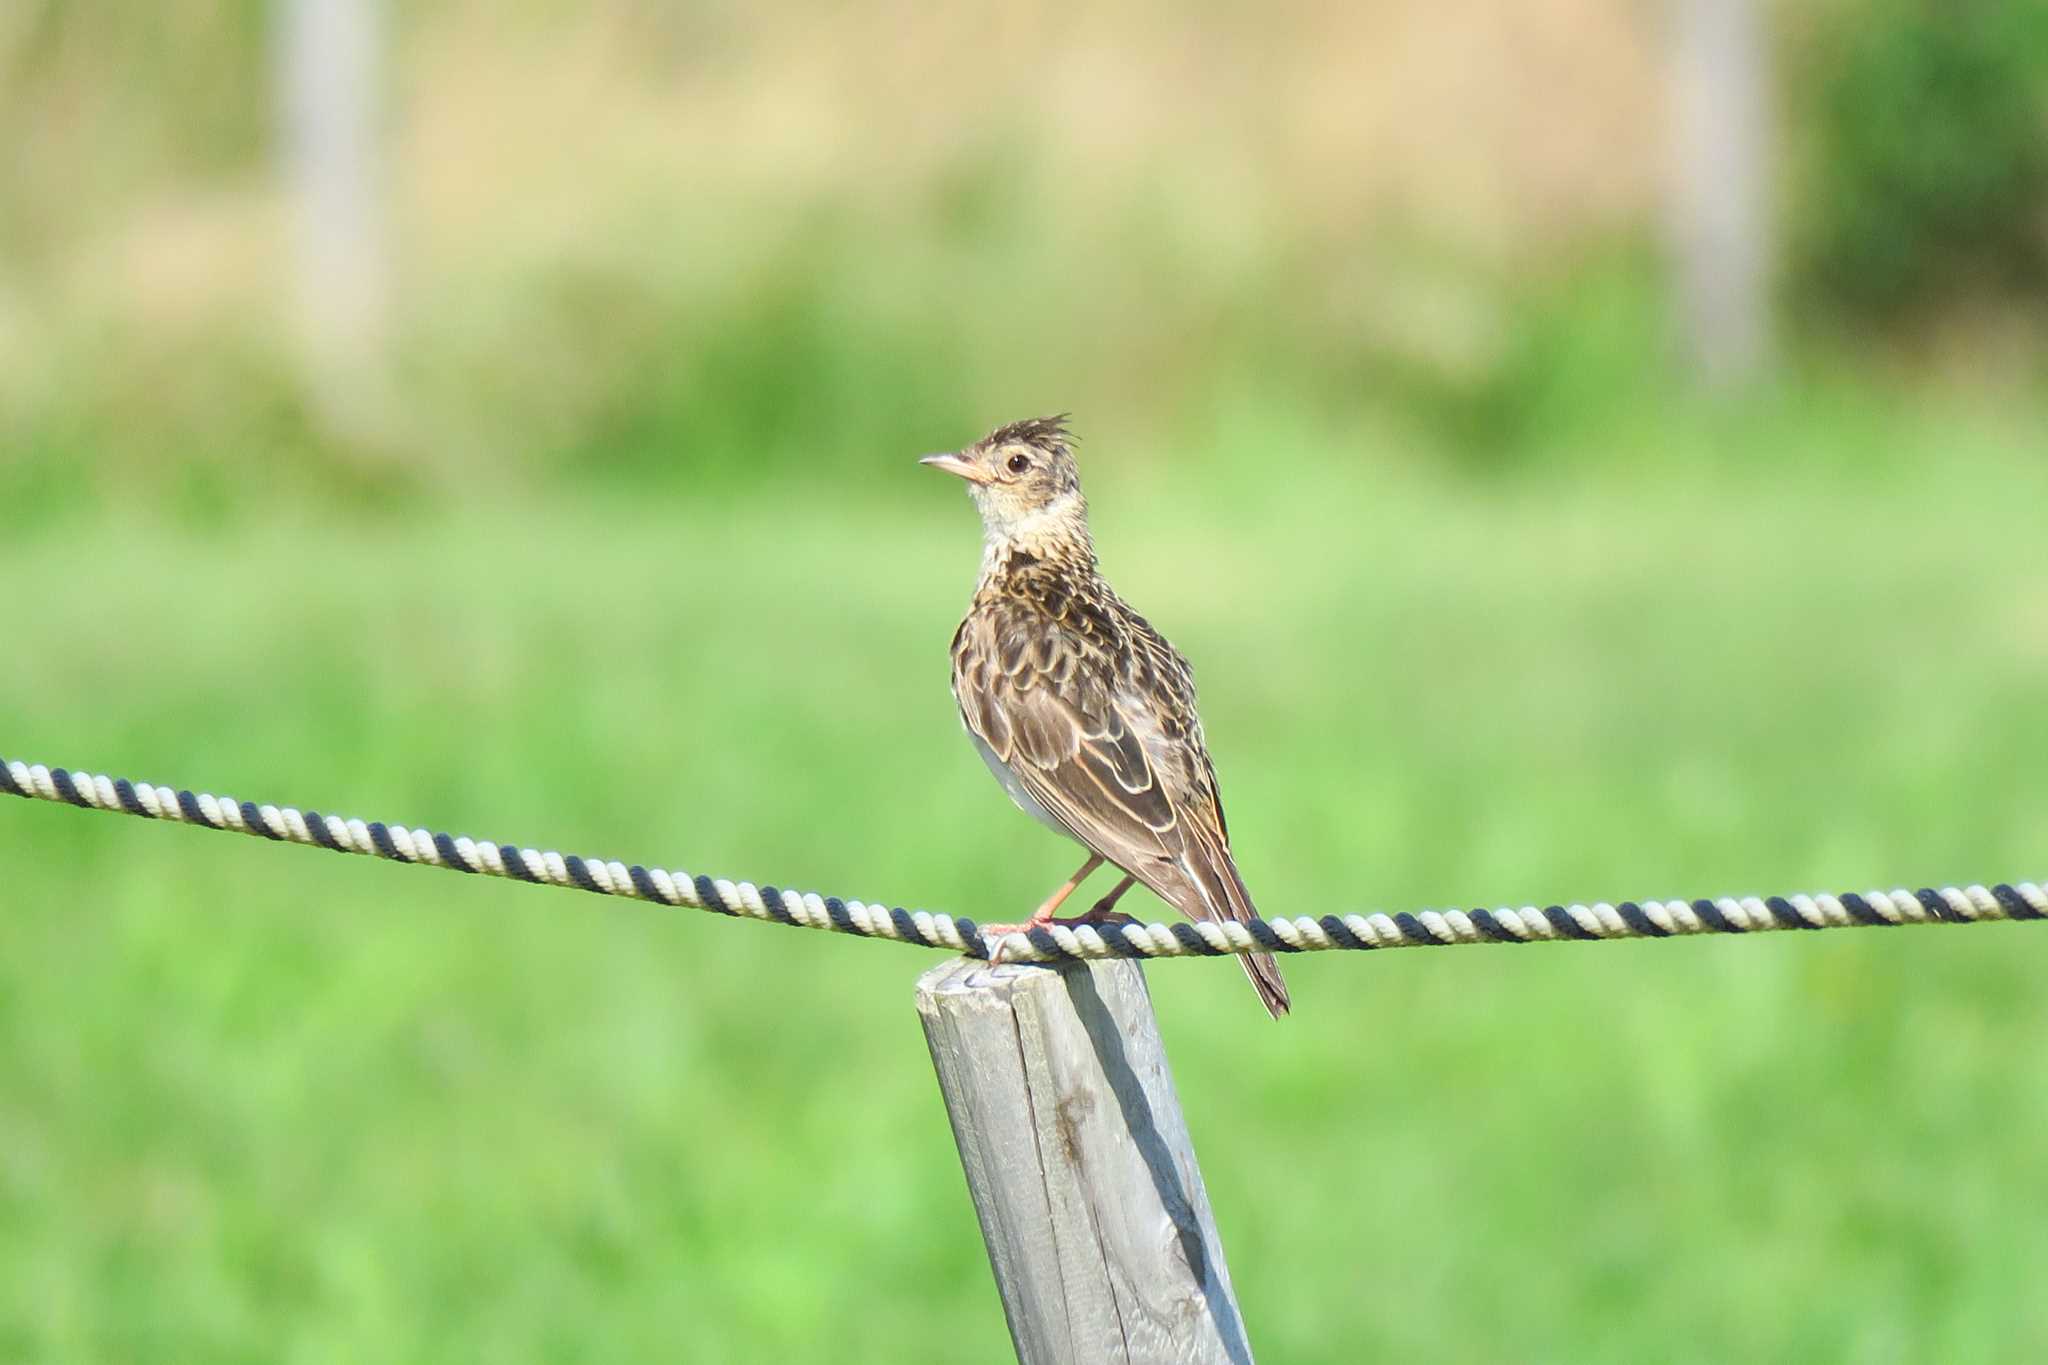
(1044, 699)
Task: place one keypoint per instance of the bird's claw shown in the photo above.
(997, 936)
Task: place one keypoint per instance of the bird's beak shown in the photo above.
(954, 463)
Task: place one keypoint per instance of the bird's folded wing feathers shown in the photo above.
(1083, 748)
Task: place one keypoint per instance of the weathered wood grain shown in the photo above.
(1079, 1163)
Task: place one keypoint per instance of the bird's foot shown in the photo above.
(1103, 912)
(997, 935)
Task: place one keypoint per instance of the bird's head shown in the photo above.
(1024, 481)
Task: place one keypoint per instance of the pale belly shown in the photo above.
(1024, 799)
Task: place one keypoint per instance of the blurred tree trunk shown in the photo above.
(1720, 211)
(329, 78)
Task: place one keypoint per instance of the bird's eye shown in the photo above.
(1019, 463)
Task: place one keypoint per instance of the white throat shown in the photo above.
(1056, 521)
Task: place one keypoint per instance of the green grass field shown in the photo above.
(263, 1104)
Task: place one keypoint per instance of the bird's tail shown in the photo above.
(1228, 894)
(1265, 976)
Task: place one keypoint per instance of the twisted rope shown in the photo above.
(1304, 934)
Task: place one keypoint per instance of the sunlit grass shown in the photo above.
(259, 1102)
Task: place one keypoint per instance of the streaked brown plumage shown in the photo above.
(1080, 708)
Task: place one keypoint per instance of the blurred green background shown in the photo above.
(554, 484)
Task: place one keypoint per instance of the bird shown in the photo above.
(1082, 710)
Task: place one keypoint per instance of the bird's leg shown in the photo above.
(1058, 898)
(1042, 915)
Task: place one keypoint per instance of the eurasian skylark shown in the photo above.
(1083, 712)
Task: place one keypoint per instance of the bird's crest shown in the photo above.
(1044, 433)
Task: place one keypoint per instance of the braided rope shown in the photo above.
(1120, 938)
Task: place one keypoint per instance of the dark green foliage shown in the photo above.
(1927, 175)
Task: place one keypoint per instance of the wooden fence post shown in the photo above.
(330, 65)
(1720, 187)
(1079, 1163)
